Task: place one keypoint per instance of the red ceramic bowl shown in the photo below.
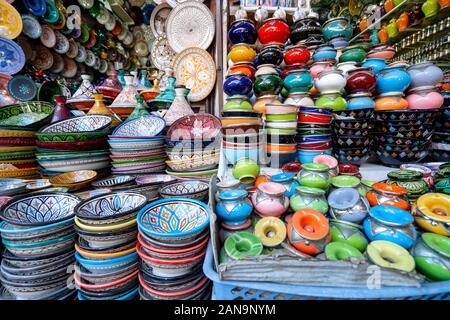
(273, 31)
(17, 141)
(145, 257)
(105, 285)
(173, 253)
(306, 117)
(74, 145)
(298, 54)
(319, 146)
(173, 295)
(247, 68)
(294, 167)
(361, 80)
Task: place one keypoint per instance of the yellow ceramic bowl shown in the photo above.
(242, 53)
(18, 173)
(16, 133)
(390, 255)
(74, 179)
(435, 206)
(91, 255)
(271, 231)
(104, 228)
(15, 149)
(20, 161)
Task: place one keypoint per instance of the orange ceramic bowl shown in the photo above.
(247, 68)
(390, 102)
(281, 147)
(91, 255)
(239, 120)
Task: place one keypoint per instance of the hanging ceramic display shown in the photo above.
(190, 24)
(82, 54)
(58, 63)
(24, 43)
(36, 7)
(47, 36)
(31, 26)
(83, 98)
(70, 68)
(158, 18)
(62, 43)
(73, 49)
(43, 59)
(10, 22)
(195, 69)
(22, 88)
(161, 53)
(51, 12)
(179, 108)
(12, 58)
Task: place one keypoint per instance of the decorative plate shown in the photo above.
(24, 43)
(10, 22)
(22, 88)
(90, 58)
(73, 49)
(31, 26)
(193, 189)
(145, 126)
(114, 182)
(12, 58)
(195, 69)
(162, 53)
(197, 126)
(43, 59)
(190, 24)
(36, 7)
(40, 209)
(58, 63)
(103, 66)
(48, 37)
(159, 17)
(51, 13)
(70, 68)
(62, 44)
(81, 56)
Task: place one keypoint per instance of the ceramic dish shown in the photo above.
(74, 179)
(13, 57)
(198, 126)
(79, 124)
(114, 182)
(146, 126)
(26, 115)
(192, 189)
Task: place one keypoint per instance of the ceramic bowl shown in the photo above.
(72, 136)
(157, 219)
(114, 182)
(79, 124)
(351, 141)
(203, 163)
(281, 109)
(395, 159)
(10, 186)
(381, 138)
(351, 124)
(192, 189)
(353, 114)
(155, 179)
(351, 132)
(404, 115)
(21, 119)
(242, 113)
(73, 145)
(74, 179)
(40, 209)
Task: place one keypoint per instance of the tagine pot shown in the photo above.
(270, 199)
(303, 28)
(267, 84)
(348, 233)
(273, 31)
(393, 80)
(337, 27)
(298, 81)
(99, 107)
(410, 180)
(242, 52)
(314, 175)
(287, 179)
(432, 256)
(270, 54)
(330, 82)
(299, 99)
(426, 98)
(297, 54)
(425, 74)
(360, 101)
(61, 111)
(308, 231)
(237, 84)
(233, 206)
(375, 63)
(180, 107)
(385, 194)
(311, 198)
(242, 31)
(360, 80)
(348, 205)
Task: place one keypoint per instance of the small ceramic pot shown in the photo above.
(348, 205)
(330, 82)
(273, 31)
(391, 101)
(243, 67)
(298, 81)
(384, 194)
(392, 29)
(430, 8)
(339, 43)
(425, 171)
(332, 101)
(390, 224)
(375, 63)
(299, 99)
(426, 98)
(341, 251)
(242, 52)
(345, 67)
(267, 84)
(270, 199)
(233, 206)
(237, 103)
(411, 181)
(352, 53)
(237, 84)
(321, 66)
(246, 170)
(337, 27)
(432, 256)
(393, 80)
(348, 233)
(360, 80)
(271, 231)
(287, 179)
(425, 74)
(311, 198)
(345, 181)
(314, 175)
(304, 28)
(432, 213)
(360, 101)
(270, 54)
(324, 52)
(228, 185)
(390, 255)
(297, 55)
(308, 231)
(381, 51)
(242, 31)
(261, 102)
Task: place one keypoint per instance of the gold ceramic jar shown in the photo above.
(242, 52)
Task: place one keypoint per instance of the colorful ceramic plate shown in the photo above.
(158, 19)
(51, 12)
(81, 56)
(31, 26)
(36, 7)
(62, 44)
(48, 37)
(190, 24)
(161, 53)
(10, 22)
(12, 58)
(43, 59)
(24, 43)
(195, 69)
(58, 63)
(73, 49)
(197, 126)
(70, 68)
(22, 88)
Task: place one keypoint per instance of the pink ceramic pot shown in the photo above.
(330, 161)
(270, 199)
(320, 66)
(425, 99)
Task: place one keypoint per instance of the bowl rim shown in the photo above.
(102, 262)
(182, 182)
(42, 130)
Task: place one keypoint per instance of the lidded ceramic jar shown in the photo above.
(311, 198)
(99, 107)
(140, 110)
(353, 53)
(237, 84)
(179, 108)
(242, 31)
(262, 101)
(270, 199)
(314, 175)
(330, 82)
(360, 101)
(391, 101)
(304, 28)
(299, 99)
(297, 55)
(336, 28)
(308, 231)
(376, 64)
(321, 66)
(360, 80)
(237, 102)
(270, 54)
(267, 83)
(298, 81)
(348, 205)
(425, 98)
(349, 233)
(425, 74)
(287, 179)
(233, 206)
(324, 52)
(390, 224)
(411, 181)
(332, 100)
(242, 52)
(393, 80)
(431, 253)
(273, 31)
(385, 194)
(345, 67)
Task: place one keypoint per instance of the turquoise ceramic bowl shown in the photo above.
(37, 244)
(307, 156)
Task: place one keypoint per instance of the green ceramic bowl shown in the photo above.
(16, 155)
(72, 136)
(280, 131)
(33, 114)
(281, 116)
(344, 181)
(348, 233)
(341, 251)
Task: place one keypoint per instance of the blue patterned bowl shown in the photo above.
(179, 218)
(106, 265)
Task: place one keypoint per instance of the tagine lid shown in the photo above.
(85, 91)
(127, 97)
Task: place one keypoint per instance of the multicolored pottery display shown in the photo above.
(270, 199)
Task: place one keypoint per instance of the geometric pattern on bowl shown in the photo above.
(351, 124)
(193, 189)
(176, 217)
(352, 141)
(441, 155)
(207, 162)
(72, 136)
(7, 112)
(401, 148)
(354, 114)
(351, 132)
(397, 158)
(115, 181)
(352, 159)
(146, 126)
(418, 134)
(112, 205)
(79, 124)
(383, 138)
(40, 209)
(404, 115)
(351, 151)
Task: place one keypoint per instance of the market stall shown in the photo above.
(178, 150)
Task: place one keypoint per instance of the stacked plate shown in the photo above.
(351, 135)
(193, 146)
(172, 240)
(441, 136)
(106, 246)
(38, 235)
(18, 125)
(136, 147)
(74, 144)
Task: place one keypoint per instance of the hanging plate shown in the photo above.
(10, 21)
(31, 26)
(161, 53)
(195, 69)
(36, 7)
(22, 88)
(48, 37)
(58, 63)
(159, 17)
(12, 58)
(62, 43)
(43, 59)
(190, 24)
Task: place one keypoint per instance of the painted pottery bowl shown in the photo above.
(348, 233)
(307, 156)
(114, 182)
(337, 27)
(73, 179)
(251, 244)
(432, 256)
(79, 124)
(348, 205)
(405, 115)
(192, 189)
(32, 114)
(353, 114)
(390, 255)
(395, 160)
(305, 29)
(273, 31)
(145, 126)
(103, 265)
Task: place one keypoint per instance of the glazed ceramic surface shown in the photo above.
(273, 31)
(242, 31)
(388, 195)
(348, 233)
(330, 82)
(314, 175)
(337, 27)
(390, 255)
(145, 126)
(270, 199)
(79, 124)
(393, 80)
(432, 256)
(288, 181)
(360, 101)
(193, 189)
(348, 205)
(311, 198)
(233, 206)
(299, 81)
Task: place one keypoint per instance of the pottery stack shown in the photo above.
(74, 144)
(172, 240)
(37, 232)
(441, 135)
(137, 146)
(107, 263)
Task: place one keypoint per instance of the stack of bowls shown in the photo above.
(193, 144)
(441, 136)
(281, 129)
(38, 235)
(314, 133)
(137, 148)
(351, 135)
(149, 185)
(106, 246)
(402, 136)
(172, 240)
(18, 125)
(73, 144)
